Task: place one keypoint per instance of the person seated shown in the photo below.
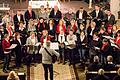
(101, 75)
(117, 77)
(12, 76)
(110, 66)
(96, 65)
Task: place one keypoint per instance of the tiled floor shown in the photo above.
(61, 72)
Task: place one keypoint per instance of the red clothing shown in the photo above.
(58, 29)
(42, 39)
(117, 41)
(5, 44)
(74, 28)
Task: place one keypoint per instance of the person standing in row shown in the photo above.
(5, 45)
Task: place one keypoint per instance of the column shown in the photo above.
(20, 1)
(115, 7)
(15, 1)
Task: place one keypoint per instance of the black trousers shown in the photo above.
(6, 61)
(46, 68)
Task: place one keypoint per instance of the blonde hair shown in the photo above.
(101, 72)
(12, 76)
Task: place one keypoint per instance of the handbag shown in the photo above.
(54, 57)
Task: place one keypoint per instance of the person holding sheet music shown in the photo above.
(82, 45)
(17, 19)
(81, 16)
(44, 38)
(72, 26)
(105, 50)
(18, 50)
(61, 40)
(90, 30)
(71, 39)
(23, 32)
(8, 29)
(94, 46)
(117, 39)
(29, 14)
(40, 27)
(31, 42)
(55, 14)
(60, 27)
(6, 44)
(51, 29)
(97, 15)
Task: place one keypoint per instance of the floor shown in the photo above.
(61, 72)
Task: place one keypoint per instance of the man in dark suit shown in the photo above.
(55, 14)
(17, 19)
(97, 15)
(110, 18)
(110, 66)
(29, 14)
(96, 65)
(81, 16)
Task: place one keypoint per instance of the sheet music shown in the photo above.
(12, 46)
(66, 43)
(114, 45)
(108, 37)
(97, 48)
(37, 44)
(54, 45)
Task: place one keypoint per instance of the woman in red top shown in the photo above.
(72, 26)
(60, 27)
(45, 37)
(117, 39)
(5, 45)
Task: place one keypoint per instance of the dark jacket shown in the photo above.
(84, 15)
(16, 21)
(57, 16)
(95, 66)
(101, 77)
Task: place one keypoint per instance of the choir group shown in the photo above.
(81, 35)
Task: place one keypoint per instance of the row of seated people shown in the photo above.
(103, 75)
(96, 65)
(107, 71)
